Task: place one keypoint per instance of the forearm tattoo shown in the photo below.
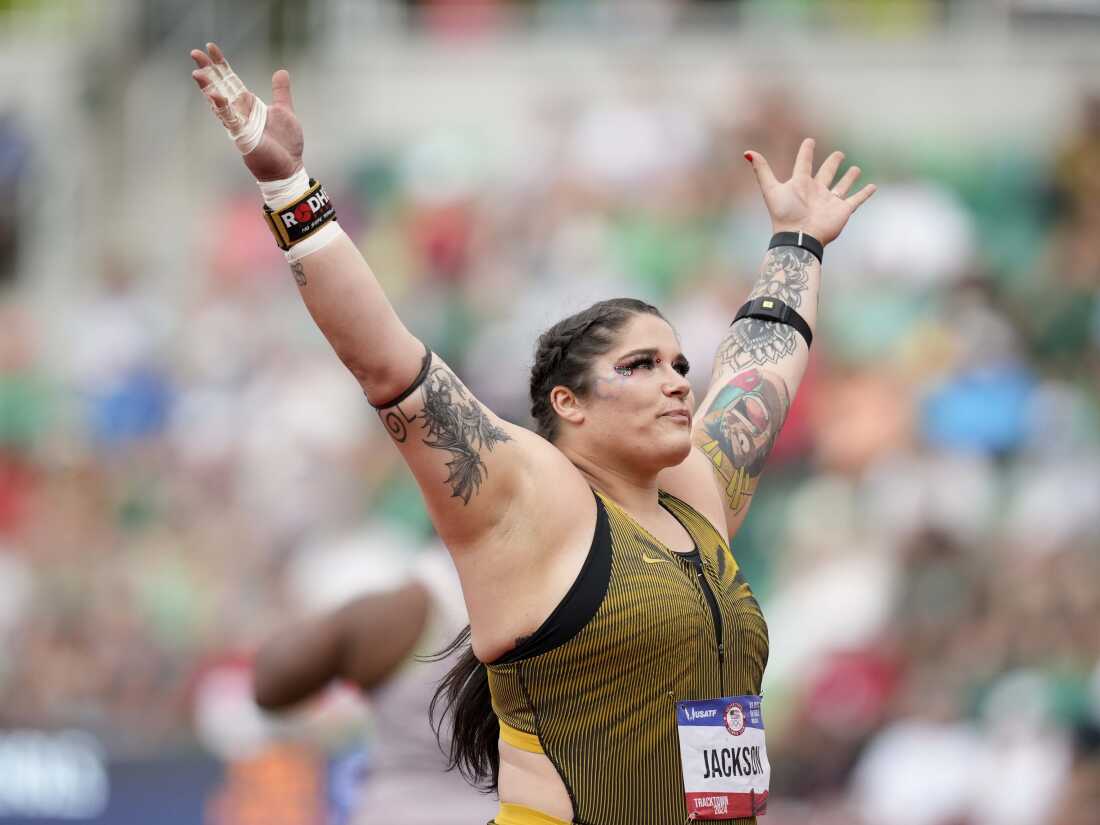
(454, 421)
(739, 430)
(786, 275)
(299, 273)
(752, 342)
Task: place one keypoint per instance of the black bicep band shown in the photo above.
(767, 308)
(414, 386)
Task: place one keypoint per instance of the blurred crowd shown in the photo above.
(181, 477)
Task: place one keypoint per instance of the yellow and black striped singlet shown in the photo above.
(602, 701)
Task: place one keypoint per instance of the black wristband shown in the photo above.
(420, 376)
(772, 309)
(298, 220)
(799, 239)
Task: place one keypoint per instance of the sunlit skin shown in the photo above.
(636, 418)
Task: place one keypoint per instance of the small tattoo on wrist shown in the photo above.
(299, 273)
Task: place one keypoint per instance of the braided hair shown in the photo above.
(565, 352)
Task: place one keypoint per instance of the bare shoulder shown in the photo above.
(515, 577)
(478, 473)
(551, 495)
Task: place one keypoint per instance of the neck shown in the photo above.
(634, 491)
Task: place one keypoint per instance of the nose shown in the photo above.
(676, 386)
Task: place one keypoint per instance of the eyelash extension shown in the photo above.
(681, 366)
(628, 368)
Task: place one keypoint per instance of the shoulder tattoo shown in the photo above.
(454, 421)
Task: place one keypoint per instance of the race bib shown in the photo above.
(724, 757)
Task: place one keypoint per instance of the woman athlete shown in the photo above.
(616, 652)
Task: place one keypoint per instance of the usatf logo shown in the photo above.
(305, 211)
(735, 719)
(691, 714)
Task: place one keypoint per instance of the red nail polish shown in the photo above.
(748, 156)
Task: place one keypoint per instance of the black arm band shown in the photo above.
(772, 309)
(420, 376)
(799, 239)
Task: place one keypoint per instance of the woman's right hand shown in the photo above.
(278, 155)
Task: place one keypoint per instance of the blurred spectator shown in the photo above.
(15, 155)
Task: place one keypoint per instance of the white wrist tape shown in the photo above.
(278, 193)
(319, 239)
(245, 132)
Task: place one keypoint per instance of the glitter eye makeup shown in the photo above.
(646, 361)
(642, 362)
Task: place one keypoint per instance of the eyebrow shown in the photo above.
(651, 352)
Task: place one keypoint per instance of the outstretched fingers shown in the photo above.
(845, 183)
(228, 82)
(243, 114)
(764, 175)
(828, 169)
(206, 76)
(220, 85)
(216, 55)
(804, 160)
(216, 69)
(209, 89)
(859, 198)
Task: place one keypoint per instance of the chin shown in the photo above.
(674, 450)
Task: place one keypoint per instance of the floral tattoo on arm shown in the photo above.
(740, 428)
(454, 421)
(753, 342)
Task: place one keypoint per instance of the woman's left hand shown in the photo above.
(806, 202)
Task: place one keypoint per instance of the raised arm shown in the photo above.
(760, 363)
(467, 461)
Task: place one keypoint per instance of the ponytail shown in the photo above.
(463, 694)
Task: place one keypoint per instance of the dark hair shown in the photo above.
(564, 354)
(464, 692)
(563, 357)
